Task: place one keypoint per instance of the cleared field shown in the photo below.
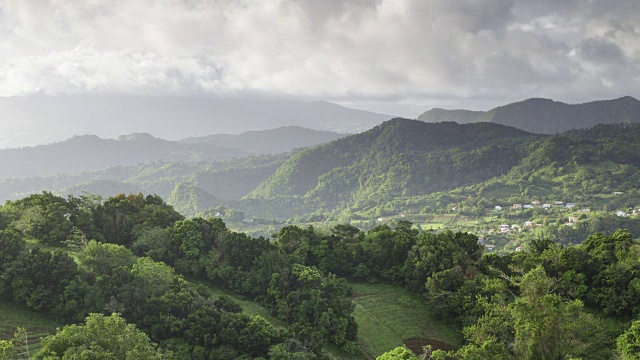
(38, 326)
(249, 307)
(387, 315)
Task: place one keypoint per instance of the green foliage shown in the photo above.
(100, 337)
(629, 342)
(399, 353)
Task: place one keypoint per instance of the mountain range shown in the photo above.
(42, 119)
(90, 152)
(544, 116)
(400, 165)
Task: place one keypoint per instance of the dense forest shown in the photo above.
(133, 265)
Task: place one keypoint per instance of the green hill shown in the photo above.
(407, 164)
(190, 200)
(396, 159)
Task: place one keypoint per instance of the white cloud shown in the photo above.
(396, 51)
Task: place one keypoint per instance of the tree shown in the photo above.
(629, 342)
(101, 337)
(399, 353)
(11, 245)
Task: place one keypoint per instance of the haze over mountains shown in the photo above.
(546, 116)
(397, 165)
(42, 119)
(90, 152)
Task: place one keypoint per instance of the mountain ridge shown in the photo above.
(91, 152)
(546, 116)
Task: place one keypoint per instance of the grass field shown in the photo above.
(387, 315)
(12, 317)
(249, 307)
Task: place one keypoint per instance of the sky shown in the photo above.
(398, 57)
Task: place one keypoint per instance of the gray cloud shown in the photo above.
(409, 52)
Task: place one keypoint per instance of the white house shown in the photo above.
(498, 208)
(546, 206)
(621, 213)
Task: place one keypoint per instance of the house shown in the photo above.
(546, 206)
(498, 208)
(382, 219)
(536, 202)
(558, 203)
(528, 224)
(504, 228)
(519, 248)
(528, 206)
(616, 193)
(489, 247)
(570, 205)
(570, 224)
(584, 210)
(573, 219)
(621, 213)
(481, 241)
(517, 206)
(403, 215)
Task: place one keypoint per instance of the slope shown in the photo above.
(396, 159)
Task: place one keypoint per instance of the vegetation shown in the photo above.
(553, 301)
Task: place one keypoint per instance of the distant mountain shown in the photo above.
(226, 180)
(41, 119)
(544, 116)
(282, 139)
(399, 158)
(89, 152)
(459, 116)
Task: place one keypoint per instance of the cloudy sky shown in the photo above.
(393, 56)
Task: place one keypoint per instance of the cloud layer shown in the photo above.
(400, 54)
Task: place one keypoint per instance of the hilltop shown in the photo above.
(545, 116)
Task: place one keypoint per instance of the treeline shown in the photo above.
(108, 278)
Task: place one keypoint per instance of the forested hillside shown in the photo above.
(120, 266)
(407, 165)
(545, 116)
(228, 180)
(401, 158)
